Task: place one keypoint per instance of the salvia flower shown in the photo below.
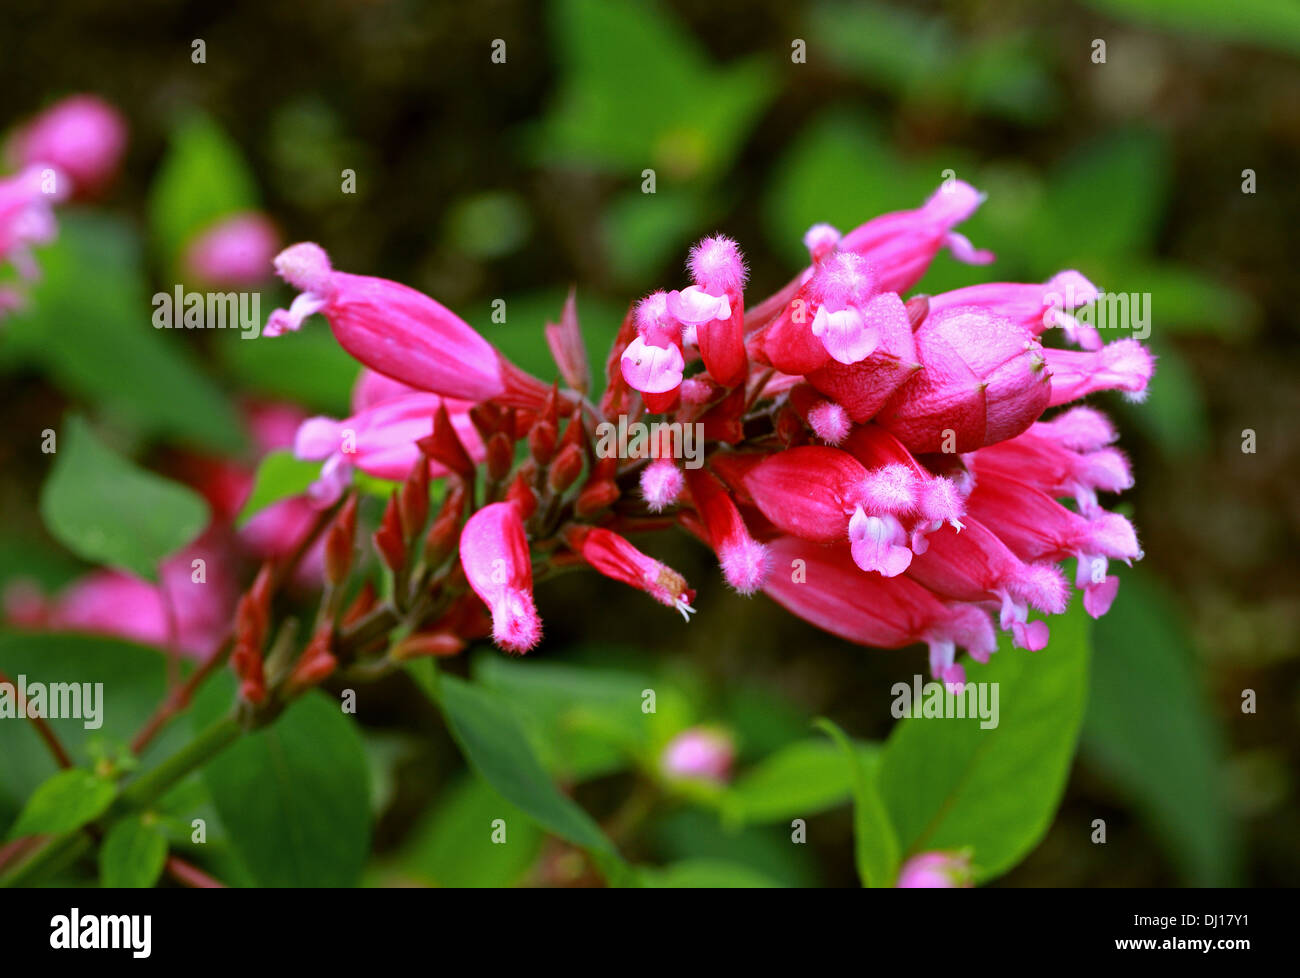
(83, 136)
(494, 554)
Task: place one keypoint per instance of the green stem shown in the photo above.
(150, 786)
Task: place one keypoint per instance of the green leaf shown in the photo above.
(1150, 727)
(132, 855)
(308, 367)
(294, 797)
(1267, 23)
(203, 177)
(126, 682)
(488, 732)
(947, 783)
(800, 780)
(65, 802)
(875, 844)
(105, 509)
(279, 476)
(89, 327)
(1174, 414)
(707, 874)
(456, 846)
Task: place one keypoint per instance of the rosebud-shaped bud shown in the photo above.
(984, 379)
(597, 496)
(340, 542)
(494, 553)
(541, 442)
(389, 541)
(500, 456)
(413, 500)
(937, 870)
(315, 664)
(440, 644)
(445, 531)
(698, 754)
(400, 332)
(565, 469)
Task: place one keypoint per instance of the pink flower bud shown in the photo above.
(400, 332)
(983, 378)
(937, 870)
(745, 561)
(699, 753)
(661, 484)
(236, 252)
(494, 554)
(616, 558)
(83, 136)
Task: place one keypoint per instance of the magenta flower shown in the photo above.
(494, 554)
(699, 754)
(82, 136)
(937, 870)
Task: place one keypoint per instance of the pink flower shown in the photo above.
(400, 332)
(494, 554)
(27, 215)
(715, 306)
(901, 245)
(616, 558)
(83, 136)
(937, 870)
(653, 363)
(236, 252)
(699, 753)
(1036, 307)
(380, 440)
(744, 560)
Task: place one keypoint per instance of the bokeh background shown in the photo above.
(477, 181)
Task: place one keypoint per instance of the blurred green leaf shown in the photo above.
(308, 367)
(89, 326)
(638, 91)
(279, 476)
(875, 844)
(948, 784)
(66, 801)
(484, 725)
(294, 796)
(707, 874)
(1174, 414)
(1268, 23)
(132, 854)
(455, 847)
(107, 510)
(132, 678)
(690, 834)
(1186, 300)
(801, 779)
(488, 225)
(1150, 729)
(643, 231)
(203, 177)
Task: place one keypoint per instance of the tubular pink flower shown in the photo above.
(236, 252)
(983, 378)
(380, 441)
(828, 590)
(653, 363)
(745, 562)
(1124, 365)
(715, 306)
(494, 554)
(82, 135)
(400, 332)
(901, 245)
(1035, 307)
(616, 558)
(809, 492)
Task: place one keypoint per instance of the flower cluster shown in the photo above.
(880, 465)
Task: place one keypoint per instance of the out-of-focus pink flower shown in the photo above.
(937, 870)
(699, 753)
(83, 136)
(195, 591)
(901, 245)
(380, 441)
(494, 554)
(400, 332)
(236, 252)
(616, 558)
(27, 202)
(1036, 307)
